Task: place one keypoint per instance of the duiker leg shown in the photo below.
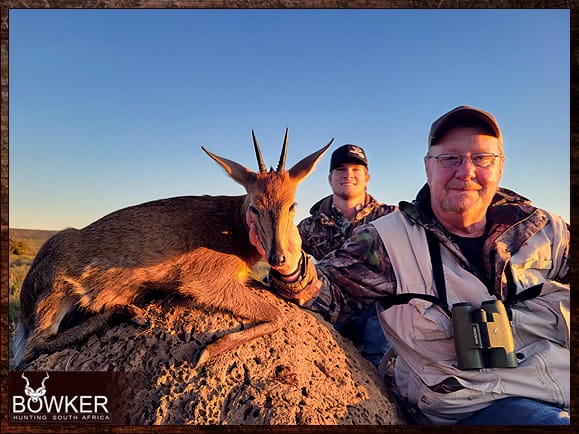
(219, 281)
(43, 342)
(246, 303)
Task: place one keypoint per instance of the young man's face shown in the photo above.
(349, 180)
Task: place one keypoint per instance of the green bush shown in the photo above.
(19, 247)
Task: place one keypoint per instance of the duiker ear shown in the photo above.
(304, 167)
(240, 174)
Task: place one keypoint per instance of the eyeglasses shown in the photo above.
(452, 161)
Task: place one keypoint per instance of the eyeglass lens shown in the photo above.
(455, 160)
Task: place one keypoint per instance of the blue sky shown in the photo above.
(110, 108)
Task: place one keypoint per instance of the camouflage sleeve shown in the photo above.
(563, 274)
(386, 209)
(311, 232)
(305, 229)
(349, 279)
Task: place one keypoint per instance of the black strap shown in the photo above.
(527, 294)
(438, 275)
(393, 300)
(437, 271)
(511, 287)
(512, 296)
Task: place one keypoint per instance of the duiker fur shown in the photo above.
(196, 246)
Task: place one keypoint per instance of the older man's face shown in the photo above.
(465, 189)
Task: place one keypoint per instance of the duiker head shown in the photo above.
(272, 195)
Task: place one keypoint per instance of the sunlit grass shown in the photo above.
(18, 268)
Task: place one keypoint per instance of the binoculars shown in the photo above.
(483, 337)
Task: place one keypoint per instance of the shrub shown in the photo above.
(19, 247)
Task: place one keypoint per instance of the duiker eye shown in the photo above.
(253, 209)
(293, 207)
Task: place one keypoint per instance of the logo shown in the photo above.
(357, 152)
(35, 395)
(58, 398)
(475, 335)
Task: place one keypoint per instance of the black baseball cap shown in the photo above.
(348, 154)
(463, 116)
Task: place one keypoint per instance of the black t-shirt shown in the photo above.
(472, 248)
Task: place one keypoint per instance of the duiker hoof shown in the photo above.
(203, 358)
(140, 321)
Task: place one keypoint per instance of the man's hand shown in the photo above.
(293, 254)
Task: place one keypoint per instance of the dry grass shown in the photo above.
(24, 245)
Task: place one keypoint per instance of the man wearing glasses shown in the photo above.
(473, 284)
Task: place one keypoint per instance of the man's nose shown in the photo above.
(466, 167)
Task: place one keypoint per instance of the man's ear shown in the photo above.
(501, 168)
(427, 170)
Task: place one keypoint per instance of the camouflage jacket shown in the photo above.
(352, 278)
(529, 242)
(324, 231)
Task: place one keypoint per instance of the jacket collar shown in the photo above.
(506, 208)
(324, 206)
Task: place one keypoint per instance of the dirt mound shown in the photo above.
(305, 373)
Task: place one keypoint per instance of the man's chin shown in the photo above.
(461, 206)
(348, 194)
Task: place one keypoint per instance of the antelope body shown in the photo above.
(197, 246)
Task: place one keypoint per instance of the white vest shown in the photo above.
(421, 332)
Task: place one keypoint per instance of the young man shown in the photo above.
(333, 220)
(462, 240)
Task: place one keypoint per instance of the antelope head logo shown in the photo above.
(35, 394)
